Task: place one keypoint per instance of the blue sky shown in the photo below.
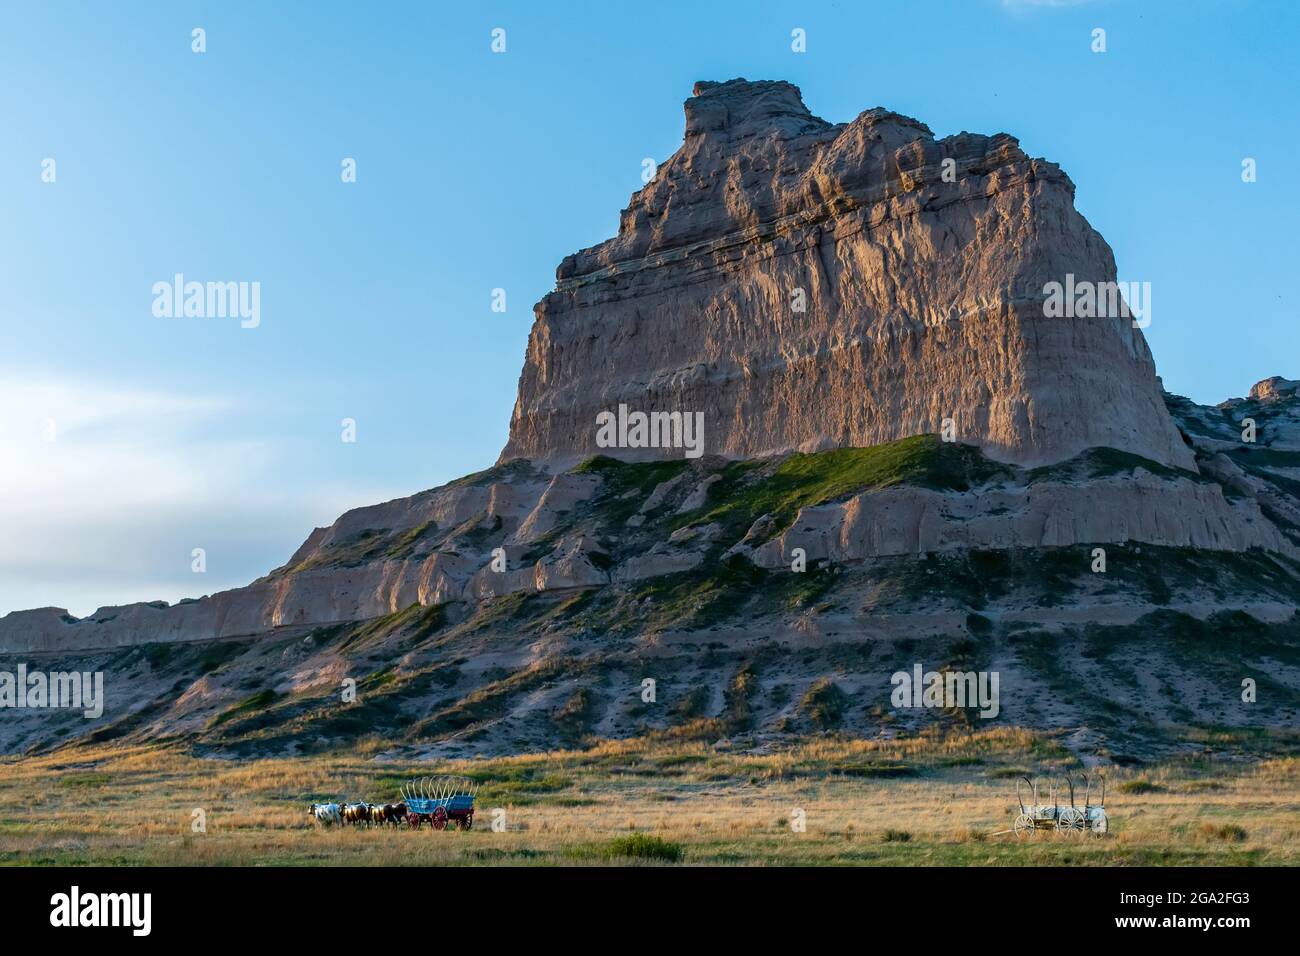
(478, 170)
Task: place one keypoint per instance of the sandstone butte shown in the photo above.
(923, 298)
(923, 302)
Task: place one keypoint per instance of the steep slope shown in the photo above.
(917, 552)
(607, 523)
(804, 286)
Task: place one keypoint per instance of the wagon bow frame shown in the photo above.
(1066, 818)
(439, 801)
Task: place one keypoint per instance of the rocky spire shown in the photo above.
(740, 107)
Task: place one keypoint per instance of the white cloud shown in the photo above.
(71, 450)
(108, 511)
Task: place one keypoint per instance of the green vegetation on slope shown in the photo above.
(744, 493)
(259, 701)
(627, 483)
(1100, 462)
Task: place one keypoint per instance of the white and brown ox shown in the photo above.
(326, 814)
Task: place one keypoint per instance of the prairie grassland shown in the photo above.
(935, 799)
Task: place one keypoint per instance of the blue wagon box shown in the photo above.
(440, 801)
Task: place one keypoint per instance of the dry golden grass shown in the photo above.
(934, 799)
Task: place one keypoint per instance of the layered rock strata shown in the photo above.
(807, 285)
(574, 530)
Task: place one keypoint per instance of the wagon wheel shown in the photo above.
(1024, 825)
(413, 820)
(440, 818)
(466, 822)
(1070, 821)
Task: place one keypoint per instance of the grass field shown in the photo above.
(922, 801)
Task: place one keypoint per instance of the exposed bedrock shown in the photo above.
(900, 521)
(517, 530)
(922, 298)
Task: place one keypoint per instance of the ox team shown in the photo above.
(373, 814)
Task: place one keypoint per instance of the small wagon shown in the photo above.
(1069, 819)
(438, 801)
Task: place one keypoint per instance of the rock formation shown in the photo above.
(540, 588)
(808, 285)
(583, 529)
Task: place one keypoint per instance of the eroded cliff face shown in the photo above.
(517, 530)
(806, 286)
(614, 564)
